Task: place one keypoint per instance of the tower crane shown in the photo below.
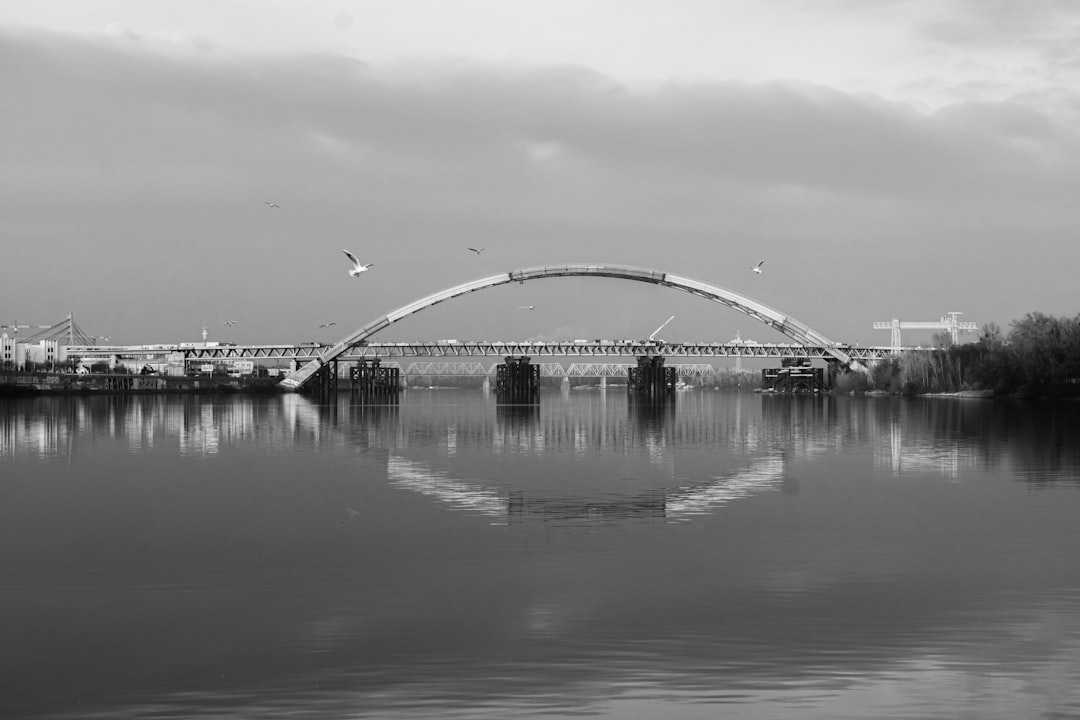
(16, 326)
(950, 322)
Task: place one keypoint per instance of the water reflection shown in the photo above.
(733, 555)
(937, 436)
(457, 494)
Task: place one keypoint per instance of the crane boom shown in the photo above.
(661, 327)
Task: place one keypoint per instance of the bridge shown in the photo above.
(802, 334)
(365, 350)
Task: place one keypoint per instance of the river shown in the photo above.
(725, 555)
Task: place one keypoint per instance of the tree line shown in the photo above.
(1039, 355)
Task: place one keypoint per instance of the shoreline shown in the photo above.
(22, 384)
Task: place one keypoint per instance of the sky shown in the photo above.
(887, 159)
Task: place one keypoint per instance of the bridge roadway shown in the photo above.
(478, 348)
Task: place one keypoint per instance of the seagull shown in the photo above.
(350, 515)
(478, 250)
(326, 325)
(527, 307)
(270, 204)
(757, 268)
(230, 323)
(357, 267)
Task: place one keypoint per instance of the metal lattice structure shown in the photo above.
(488, 348)
(551, 369)
(950, 323)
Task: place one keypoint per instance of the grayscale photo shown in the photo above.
(485, 359)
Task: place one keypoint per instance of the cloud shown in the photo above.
(999, 22)
(136, 145)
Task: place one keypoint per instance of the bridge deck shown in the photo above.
(479, 348)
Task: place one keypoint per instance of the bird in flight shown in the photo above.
(270, 204)
(357, 267)
(527, 307)
(350, 515)
(757, 268)
(230, 323)
(326, 325)
(478, 250)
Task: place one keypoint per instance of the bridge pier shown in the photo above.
(650, 378)
(370, 379)
(517, 381)
(324, 383)
(794, 375)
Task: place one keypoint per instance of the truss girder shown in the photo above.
(610, 348)
(574, 370)
(596, 370)
(787, 325)
(445, 368)
(599, 348)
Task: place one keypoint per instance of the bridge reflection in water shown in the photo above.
(935, 436)
(502, 506)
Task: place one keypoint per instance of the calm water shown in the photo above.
(729, 556)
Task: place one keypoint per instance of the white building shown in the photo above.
(44, 352)
(9, 352)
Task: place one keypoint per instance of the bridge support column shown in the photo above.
(793, 376)
(517, 381)
(650, 378)
(370, 379)
(324, 383)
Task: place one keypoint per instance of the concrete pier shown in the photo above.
(369, 378)
(650, 378)
(517, 381)
(793, 376)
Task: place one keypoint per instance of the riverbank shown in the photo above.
(1043, 392)
(15, 384)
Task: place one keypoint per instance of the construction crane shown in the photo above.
(16, 326)
(654, 332)
(950, 322)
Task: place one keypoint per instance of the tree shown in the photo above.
(941, 340)
(1046, 349)
(990, 336)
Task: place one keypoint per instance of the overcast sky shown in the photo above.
(888, 158)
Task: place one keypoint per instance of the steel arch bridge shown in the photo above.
(789, 326)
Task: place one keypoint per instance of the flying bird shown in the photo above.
(357, 267)
(326, 325)
(270, 204)
(350, 515)
(478, 250)
(527, 307)
(230, 323)
(757, 268)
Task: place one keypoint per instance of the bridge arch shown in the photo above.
(789, 326)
